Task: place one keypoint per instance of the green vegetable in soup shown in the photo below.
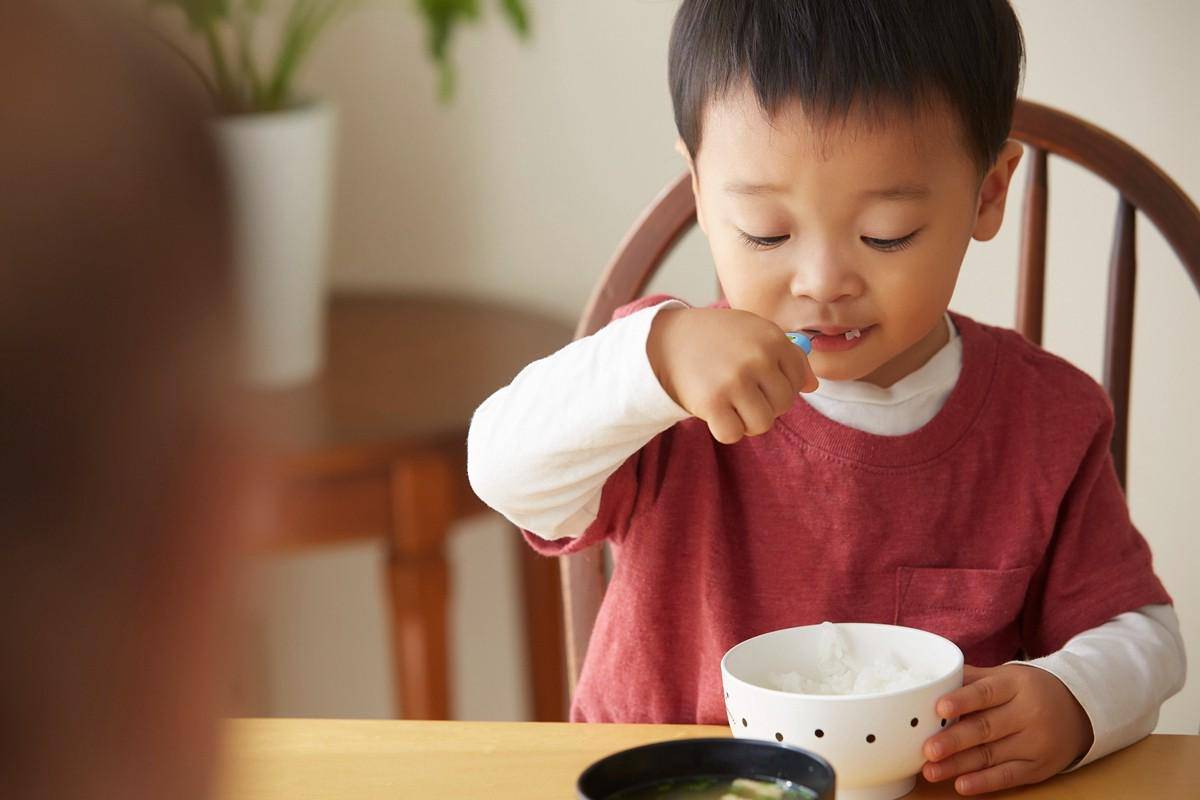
(717, 788)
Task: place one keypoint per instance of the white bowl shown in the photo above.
(870, 739)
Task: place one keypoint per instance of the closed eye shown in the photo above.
(762, 242)
(891, 245)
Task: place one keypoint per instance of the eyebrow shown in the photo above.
(746, 187)
(907, 191)
(901, 193)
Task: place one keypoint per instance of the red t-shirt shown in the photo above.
(999, 525)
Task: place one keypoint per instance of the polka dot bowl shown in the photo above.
(873, 741)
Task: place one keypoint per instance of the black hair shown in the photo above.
(835, 55)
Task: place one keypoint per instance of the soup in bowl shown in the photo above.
(709, 769)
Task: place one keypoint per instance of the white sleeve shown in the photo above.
(540, 449)
(1121, 672)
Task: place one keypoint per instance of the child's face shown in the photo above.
(861, 226)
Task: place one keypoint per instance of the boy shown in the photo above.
(934, 472)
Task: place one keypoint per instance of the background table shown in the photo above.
(375, 447)
(390, 760)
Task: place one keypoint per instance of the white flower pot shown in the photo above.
(280, 167)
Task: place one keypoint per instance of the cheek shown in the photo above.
(919, 286)
(748, 284)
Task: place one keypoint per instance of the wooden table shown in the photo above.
(375, 447)
(281, 759)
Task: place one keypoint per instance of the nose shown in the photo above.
(825, 277)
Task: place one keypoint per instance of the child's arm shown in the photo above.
(1099, 693)
(1121, 673)
(1095, 616)
(540, 450)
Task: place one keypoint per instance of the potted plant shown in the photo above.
(278, 147)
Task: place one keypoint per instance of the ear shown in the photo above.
(681, 148)
(994, 191)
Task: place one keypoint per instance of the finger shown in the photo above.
(798, 368)
(725, 424)
(971, 731)
(972, 674)
(755, 410)
(796, 373)
(984, 692)
(1002, 776)
(974, 759)
(779, 393)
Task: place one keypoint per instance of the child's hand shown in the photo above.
(1018, 725)
(732, 369)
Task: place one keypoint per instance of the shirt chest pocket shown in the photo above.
(977, 609)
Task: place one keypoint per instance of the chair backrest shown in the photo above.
(1142, 186)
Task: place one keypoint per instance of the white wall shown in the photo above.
(521, 189)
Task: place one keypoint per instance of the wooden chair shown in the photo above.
(1140, 184)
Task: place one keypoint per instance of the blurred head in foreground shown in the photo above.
(121, 488)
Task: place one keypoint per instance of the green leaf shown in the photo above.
(305, 22)
(244, 20)
(239, 84)
(442, 17)
(517, 15)
(200, 13)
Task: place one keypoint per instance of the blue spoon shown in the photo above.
(801, 341)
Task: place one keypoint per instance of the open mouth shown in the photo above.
(837, 339)
(849, 334)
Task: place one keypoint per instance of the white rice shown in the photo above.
(840, 674)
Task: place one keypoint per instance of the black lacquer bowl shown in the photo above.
(686, 758)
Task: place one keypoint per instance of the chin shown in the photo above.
(842, 369)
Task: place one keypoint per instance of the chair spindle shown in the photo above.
(1118, 339)
(1032, 281)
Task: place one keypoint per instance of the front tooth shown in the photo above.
(853, 334)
